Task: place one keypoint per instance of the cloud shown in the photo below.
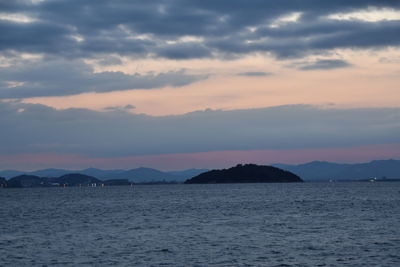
(63, 77)
(325, 64)
(107, 61)
(183, 51)
(72, 28)
(120, 109)
(255, 74)
(32, 128)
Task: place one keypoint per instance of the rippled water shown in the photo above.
(325, 224)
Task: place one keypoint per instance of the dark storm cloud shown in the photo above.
(325, 64)
(41, 129)
(60, 78)
(113, 27)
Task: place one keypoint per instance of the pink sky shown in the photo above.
(372, 81)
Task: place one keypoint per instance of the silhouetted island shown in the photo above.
(248, 173)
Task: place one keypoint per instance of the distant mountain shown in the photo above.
(50, 172)
(186, 174)
(138, 175)
(144, 175)
(324, 171)
(11, 173)
(248, 173)
(101, 174)
(312, 171)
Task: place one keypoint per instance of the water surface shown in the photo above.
(325, 224)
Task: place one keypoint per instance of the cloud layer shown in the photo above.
(28, 128)
(61, 77)
(325, 64)
(65, 33)
(178, 29)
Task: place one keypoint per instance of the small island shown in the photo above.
(248, 173)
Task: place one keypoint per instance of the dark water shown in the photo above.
(310, 224)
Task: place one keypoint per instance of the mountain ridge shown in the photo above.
(138, 175)
(325, 171)
(310, 171)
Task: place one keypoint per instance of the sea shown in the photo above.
(287, 224)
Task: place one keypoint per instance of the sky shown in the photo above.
(174, 84)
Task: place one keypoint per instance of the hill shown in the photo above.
(138, 175)
(248, 173)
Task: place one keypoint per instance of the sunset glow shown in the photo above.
(157, 67)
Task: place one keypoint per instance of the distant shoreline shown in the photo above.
(182, 183)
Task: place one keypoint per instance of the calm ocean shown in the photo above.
(299, 224)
